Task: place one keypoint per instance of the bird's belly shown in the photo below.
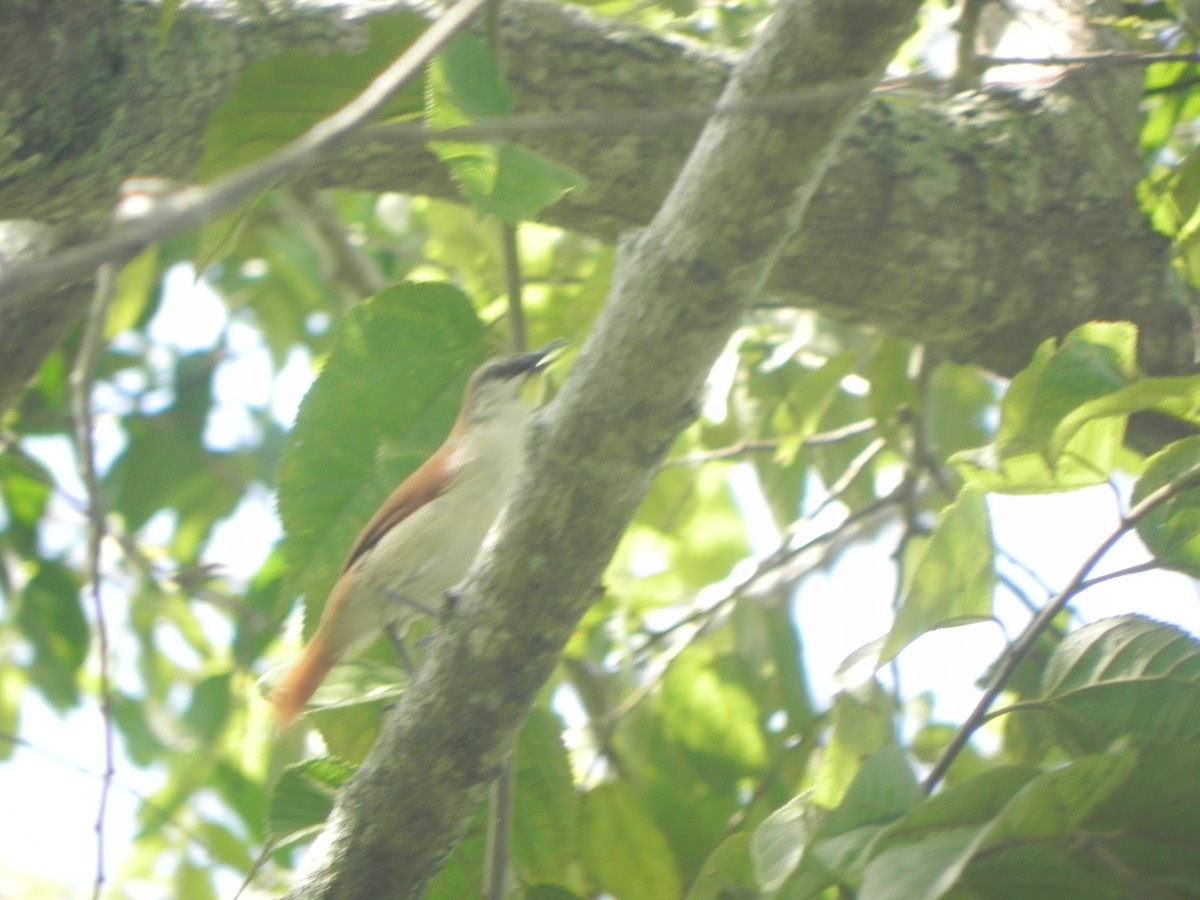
(416, 562)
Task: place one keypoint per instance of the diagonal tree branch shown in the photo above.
(682, 286)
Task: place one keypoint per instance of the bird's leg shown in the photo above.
(410, 603)
(401, 651)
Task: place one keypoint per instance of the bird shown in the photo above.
(425, 536)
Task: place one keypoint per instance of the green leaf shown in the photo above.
(136, 286)
(12, 686)
(883, 789)
(707, 709)
(1032, 454)
(51, 618)
(25, 487)
(467, 80)
(141, 743)
(1057, 803)
(1125, 679)
(728, 874)
(279, 98)
(303, 798)
(546, 823)
(383, 403)
(1121, 648)
(954, 579)
(777, 845)
(621, 847)
(957, 405)
(1178, 397)
(1094, 360)
(503, 180)
(863, 723)
(210, 707)
(922, 855)
(194, 882)
(1172, 530)
(1087, 461)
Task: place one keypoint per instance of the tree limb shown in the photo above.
(682, 287)
(980, 223)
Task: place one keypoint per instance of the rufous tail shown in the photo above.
(299, 683)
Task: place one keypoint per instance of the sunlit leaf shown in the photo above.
(709, 710)
(954, 579)
(622, 849)
(1122, 648)
(1172, 530)
(777, 845)
(863, 724)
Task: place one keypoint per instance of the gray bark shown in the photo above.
(980, 223)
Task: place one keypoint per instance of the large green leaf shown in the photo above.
(383, 403)
(802, 848)
(1178, 397)
(954, 579)
(1122, 648)
(778, 844)
(728, 874)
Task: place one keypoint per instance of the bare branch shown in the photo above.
(81, 410)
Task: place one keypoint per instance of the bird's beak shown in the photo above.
(534, 390)
(543, 357)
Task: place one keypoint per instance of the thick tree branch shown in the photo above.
(684, 284)
(981, 223)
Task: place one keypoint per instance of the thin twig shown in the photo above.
(767, 445)
(1033, 631)
(513, 287)
(1148, 566)
(85, 452)
(1110, 57)
(190, 207)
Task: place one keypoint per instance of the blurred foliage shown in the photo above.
(680, 749)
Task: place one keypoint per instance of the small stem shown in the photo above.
(81, 411)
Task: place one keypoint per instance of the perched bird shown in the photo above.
(425, 536)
